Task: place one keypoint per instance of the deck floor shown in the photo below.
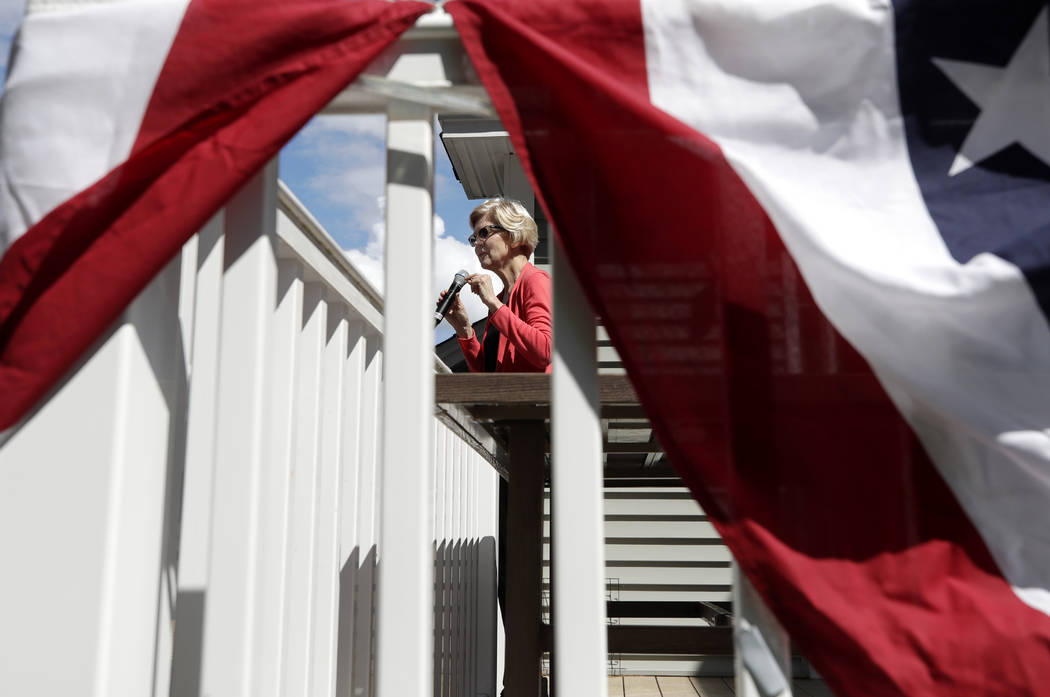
(664, 686)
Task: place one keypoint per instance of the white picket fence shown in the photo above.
(196, 509)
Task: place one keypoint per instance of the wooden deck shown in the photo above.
(663, 686)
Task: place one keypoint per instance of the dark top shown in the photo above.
(491, 348)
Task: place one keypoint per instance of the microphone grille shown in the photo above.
(463, 272)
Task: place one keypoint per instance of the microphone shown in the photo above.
(457, 283)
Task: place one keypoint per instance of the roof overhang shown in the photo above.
(480, 152)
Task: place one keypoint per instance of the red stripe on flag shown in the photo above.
(779, 428)
(241, 78)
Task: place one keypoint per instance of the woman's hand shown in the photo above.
(481, 286)
(457, 317)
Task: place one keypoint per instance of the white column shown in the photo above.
(470, 544)
(363, 648)
(578, 569)
(326, 596)
(405, 630)
(249, 286)
(445, 538)
(84, 493)
(439, 555)
(761, 647)
(194, 538)
(485, 629)
(349, 554)
(275, 484)
(456, 569)
(304, 496)
(353, 378)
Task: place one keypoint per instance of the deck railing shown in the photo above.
(196, 509)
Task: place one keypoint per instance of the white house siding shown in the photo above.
(660, 547)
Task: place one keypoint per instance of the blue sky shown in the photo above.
(10, 16)
(336, 167)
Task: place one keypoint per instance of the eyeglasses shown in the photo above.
(484, 233)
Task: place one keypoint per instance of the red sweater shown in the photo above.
(524, 324)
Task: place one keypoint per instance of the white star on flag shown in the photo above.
(1014, 101)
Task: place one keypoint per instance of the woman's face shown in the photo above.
(493, 251)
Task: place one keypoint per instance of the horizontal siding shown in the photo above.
(660, 547)
(659, 552)
(711, 596)
(655, 528)
(658, 578)
(651, 501)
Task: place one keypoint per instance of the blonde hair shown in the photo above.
(512, 217)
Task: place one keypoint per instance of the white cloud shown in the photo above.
(342, 169)
(350, 158)
(370, 125)
(370, 267)
(450, 255)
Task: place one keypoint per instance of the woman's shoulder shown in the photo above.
(534, 275)
(535, 284)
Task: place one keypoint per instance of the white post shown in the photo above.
(326, 596)
(439, 555)
(275, 480)
(249, 287)
(761, 647)
(84, 489)
(195, 535)
(404, 661)
(363, 648)
(578, 568)
(305, 493)
(349, 554)
(488, 628)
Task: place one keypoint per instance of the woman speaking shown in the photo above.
(517, 337)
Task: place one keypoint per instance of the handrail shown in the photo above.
(315, 232)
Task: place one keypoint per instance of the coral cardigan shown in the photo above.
(524, 324)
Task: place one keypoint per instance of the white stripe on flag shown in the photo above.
(102, 56)
(805, 107)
